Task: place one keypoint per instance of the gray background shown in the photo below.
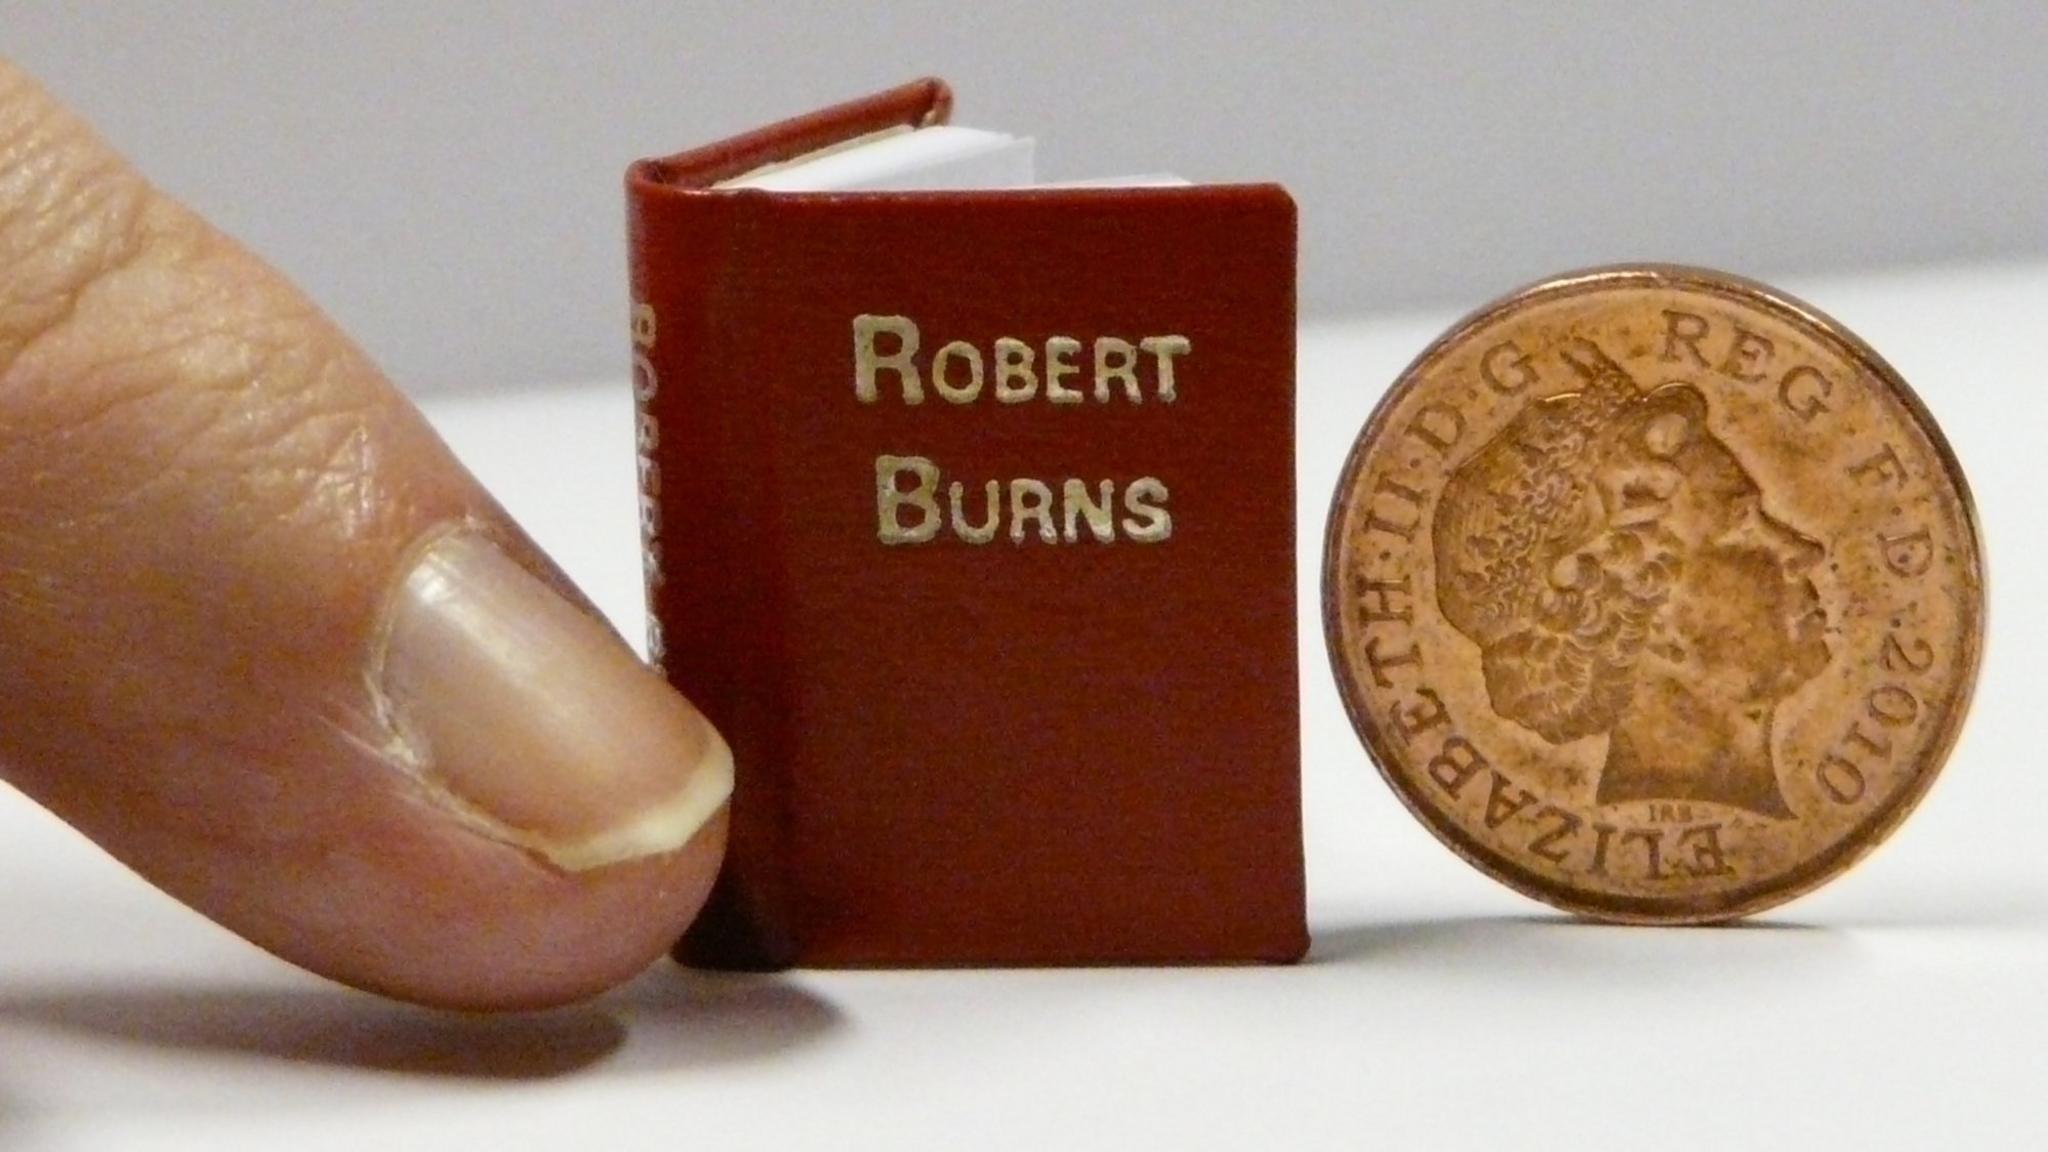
(445, 178)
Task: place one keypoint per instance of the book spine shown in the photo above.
(709, 552)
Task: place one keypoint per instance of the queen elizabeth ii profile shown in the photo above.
(1613, 561)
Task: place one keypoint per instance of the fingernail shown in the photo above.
(534, 722)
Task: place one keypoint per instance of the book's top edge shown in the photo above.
(918, 104)
(1208, 195)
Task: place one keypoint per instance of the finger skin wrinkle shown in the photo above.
(183, 371)
(332, 478)
(143, 355)
(70, 213)
(145, 409)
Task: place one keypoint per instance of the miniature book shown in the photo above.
(968, 508)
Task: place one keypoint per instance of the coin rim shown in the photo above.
(1863, 838)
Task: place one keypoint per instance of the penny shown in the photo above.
(1655, 594)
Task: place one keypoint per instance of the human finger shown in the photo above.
(266, 641)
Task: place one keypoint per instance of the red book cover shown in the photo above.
(969, 520)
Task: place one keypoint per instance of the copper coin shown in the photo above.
(1655, 594)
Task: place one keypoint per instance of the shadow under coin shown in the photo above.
(681, 1017)
(325, 1026)
(1514, 945)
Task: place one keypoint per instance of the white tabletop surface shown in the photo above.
(1905, 1005)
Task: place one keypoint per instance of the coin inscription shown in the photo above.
(1654, 594)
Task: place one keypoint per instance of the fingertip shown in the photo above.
(518, 935)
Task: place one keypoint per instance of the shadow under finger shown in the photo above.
(668, 1018)
(681, 1017)
(324, 1026)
